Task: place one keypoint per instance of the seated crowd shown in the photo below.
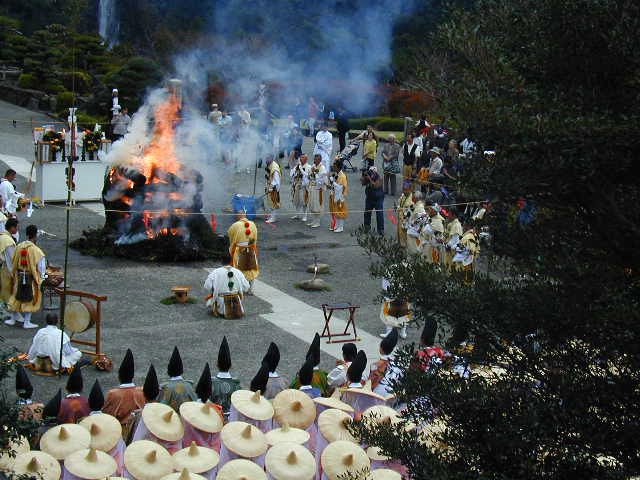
(215, 428)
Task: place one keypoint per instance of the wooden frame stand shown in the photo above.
(96, 350)
(327, 311)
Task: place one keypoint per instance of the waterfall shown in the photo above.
(108, 26)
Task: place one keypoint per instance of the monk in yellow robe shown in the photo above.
(243, 247)
(338, 198)
(404, 205)
(29, 268)
(7, 249)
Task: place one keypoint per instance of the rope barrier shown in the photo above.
(213, 212)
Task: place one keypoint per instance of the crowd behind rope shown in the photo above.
(269, 427)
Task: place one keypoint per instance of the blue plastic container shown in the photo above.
(246, 202)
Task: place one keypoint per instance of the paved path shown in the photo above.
(134, 317)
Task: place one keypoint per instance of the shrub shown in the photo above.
(388, 124)
(64, 100)
(27, 80)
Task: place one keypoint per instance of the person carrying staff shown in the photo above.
(243, 248)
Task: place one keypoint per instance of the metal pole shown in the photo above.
(255, 171)
(63, 300)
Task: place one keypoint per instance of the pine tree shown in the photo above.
(554, 391)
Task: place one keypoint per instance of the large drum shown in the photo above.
(79, 316)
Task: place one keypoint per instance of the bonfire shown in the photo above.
(153, 201)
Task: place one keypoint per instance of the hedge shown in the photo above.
(388, 124)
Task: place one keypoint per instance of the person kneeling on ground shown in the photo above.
(227, 286)
(44, 353)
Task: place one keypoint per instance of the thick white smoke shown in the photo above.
(336, 51)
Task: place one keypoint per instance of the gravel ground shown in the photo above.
(133, 316)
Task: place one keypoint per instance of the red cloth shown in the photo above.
(73, 409)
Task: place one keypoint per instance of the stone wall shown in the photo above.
(31, 99)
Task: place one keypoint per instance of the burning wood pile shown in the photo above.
(153, 202)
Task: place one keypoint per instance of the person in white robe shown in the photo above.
(324, 146)
(272, 189)
(299, 182)
(224, 281)
(316, 188)
(46, 344)
(417, 219)
(8, 192)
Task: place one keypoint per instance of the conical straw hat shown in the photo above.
(366, 390)
(334, 402)
(381, 414)
(203, 416)
(36, 463)
(287, 434)
(163, 422)
(384, 474)
(241, 469)
(21, 445)
(62, 440)
(341, 457)
(290, 461)
(146, 460)
(195, 459)
(295, 408)
(90, 464)
(374, 454)
(332, 424)
(105, 430)
(183, 475)
(244, 439)
(252, 404)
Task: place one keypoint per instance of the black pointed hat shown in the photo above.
(272, 357)
(305, 375)
(96, 397)
(24, 389)
(151, 387)
(126, 370)
(389, 342)
(175, 367)
(428, 335)
(259, 382)
(224, 356)
(314, 350)
(75, 383)
(52, 408)
(204, 388)
(356, 369)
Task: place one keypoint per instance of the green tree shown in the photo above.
(552, 87)
(12, 426)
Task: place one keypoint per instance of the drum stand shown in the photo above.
(96, 346)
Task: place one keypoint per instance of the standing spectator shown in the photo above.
(120, 123)
(435, 165)
(410, 151)
(215, 114)
(374, 199)
(422, 126)
(313, 110)
(390, 165)
(324, 145)
(342, 125)
(468, 145)
(424, 143)
(369, 151)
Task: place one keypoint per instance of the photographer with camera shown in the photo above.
(374, 198)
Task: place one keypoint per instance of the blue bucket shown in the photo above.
(246, 202)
